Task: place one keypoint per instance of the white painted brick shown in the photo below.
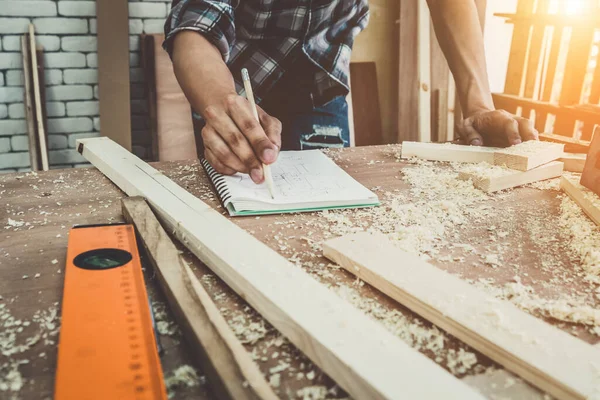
(68, 92)
(28, 8)
(82, 108)
(68, 125)
(14, 160)
(92, 60)
(13, 43)
(76, 136)
(68, 156)
(4, 145)
(10, 60)
(79, 43)
(147, 10)
(9, 127)
(3, 111)
(51, 77)
(154, 25)
(97, 124)
(134, 43)
(11, 94)
(136, 26)
(93, 25)
(136, 75)
(64, 60)
(60, 25)
(13, 26)
(75, 76)
(2, 79)
(96, 92)
(77, 8)
(19, 143)
(16, 110)
(14, 78)
(57, 142)
(55, 109)
(7, 171)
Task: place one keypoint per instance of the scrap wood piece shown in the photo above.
(587, 200)
(448, 152)
(232, 373)
(573, 162)
(37, 99)
(34, 153)
(528, 155)
(494, 178)
(357, 352)
(553, 360)
(571, 145)
(590, 178)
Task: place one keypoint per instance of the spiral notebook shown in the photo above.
(304, 181)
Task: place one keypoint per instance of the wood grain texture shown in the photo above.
(493, 183)
(587, 200)
(448, 152)
(408, 73)
(571, 145)
(113, 70)
(528, 155)
(573, 162)
(424, 70)
(515, 339)
(37, 100)
(34, 156)
(357, 352)
(590, 178)
(365, 104)
(232, 373)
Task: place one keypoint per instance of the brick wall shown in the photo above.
(67, 30)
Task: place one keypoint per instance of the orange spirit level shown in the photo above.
(107, 348)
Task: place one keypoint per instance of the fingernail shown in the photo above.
(269, 155)
(256, 175)
(515, 141)
(476, 142)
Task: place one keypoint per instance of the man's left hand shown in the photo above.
(496, 128)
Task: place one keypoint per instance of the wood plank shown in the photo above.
(536, 44)
(528, 155)
(113, 70)
(34, 153)
(37, 101)
(440, 75)
(408, 75)
(590, 177)
(518, 49)
(585, 198)
(357, 352)
(572, 145)
(573, 162)
(365, 104)
(549, 358)
(493, 179)
(232, 373)
(424, 69)
(448, 152)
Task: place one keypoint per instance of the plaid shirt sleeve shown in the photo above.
(211, 18)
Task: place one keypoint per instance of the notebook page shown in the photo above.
(307, 176)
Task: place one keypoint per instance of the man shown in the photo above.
(298, 55)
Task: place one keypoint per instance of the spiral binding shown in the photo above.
(218, 181)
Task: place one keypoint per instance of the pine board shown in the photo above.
(587, 200)
(528, 155)
(448, 152)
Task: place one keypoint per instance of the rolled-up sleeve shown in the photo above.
(213, 19)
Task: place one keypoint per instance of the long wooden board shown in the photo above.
(549, 358)
(34, 154)
(232, 373)
(587, 200)
(571, 145)
(493, 181)
(357, 352)
(528, 155)
(37, 99)
(448, 152)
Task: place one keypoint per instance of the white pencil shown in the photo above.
(250, 97)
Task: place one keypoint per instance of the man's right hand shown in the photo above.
(235, 141)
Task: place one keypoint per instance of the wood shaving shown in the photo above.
(183, 376)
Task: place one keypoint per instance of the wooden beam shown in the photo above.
(34, 153)
(528, 155)
(573, 162)
(494, 178)
(408, 72)
(37, 99)
(547, 357)
(113, 70)
(232, 373)
(585, 198)
(590, 178)
(518, 49)
(571, 145)
(364, 358)
(365, 104)
(448, 152)
(424, 68)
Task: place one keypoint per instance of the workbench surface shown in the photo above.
(524, 245)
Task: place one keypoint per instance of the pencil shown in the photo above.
(250, 97)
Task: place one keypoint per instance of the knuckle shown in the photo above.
(235, 139)
(231, 99)
(210, 112)
(249, 124)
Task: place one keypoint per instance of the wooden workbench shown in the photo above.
(43, 206)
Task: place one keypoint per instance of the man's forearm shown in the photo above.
(201, 71)
(458, 31)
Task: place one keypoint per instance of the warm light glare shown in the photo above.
(574, 7)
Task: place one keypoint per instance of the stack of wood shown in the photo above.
(35, 109)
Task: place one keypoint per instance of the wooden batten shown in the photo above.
(37, 100)
(30, 114)
(585, 198)
(528, 155)
(448, 152)
(573, 162)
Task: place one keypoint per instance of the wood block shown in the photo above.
(590, 178)
(587, 200)
(365, 104)
(448, 152)
(232, 373)
(528, 155)
(494, 178)
(571, 145)
(573, 162)
(553, 360)
(364, 358)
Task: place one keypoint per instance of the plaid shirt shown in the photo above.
(267, 36)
